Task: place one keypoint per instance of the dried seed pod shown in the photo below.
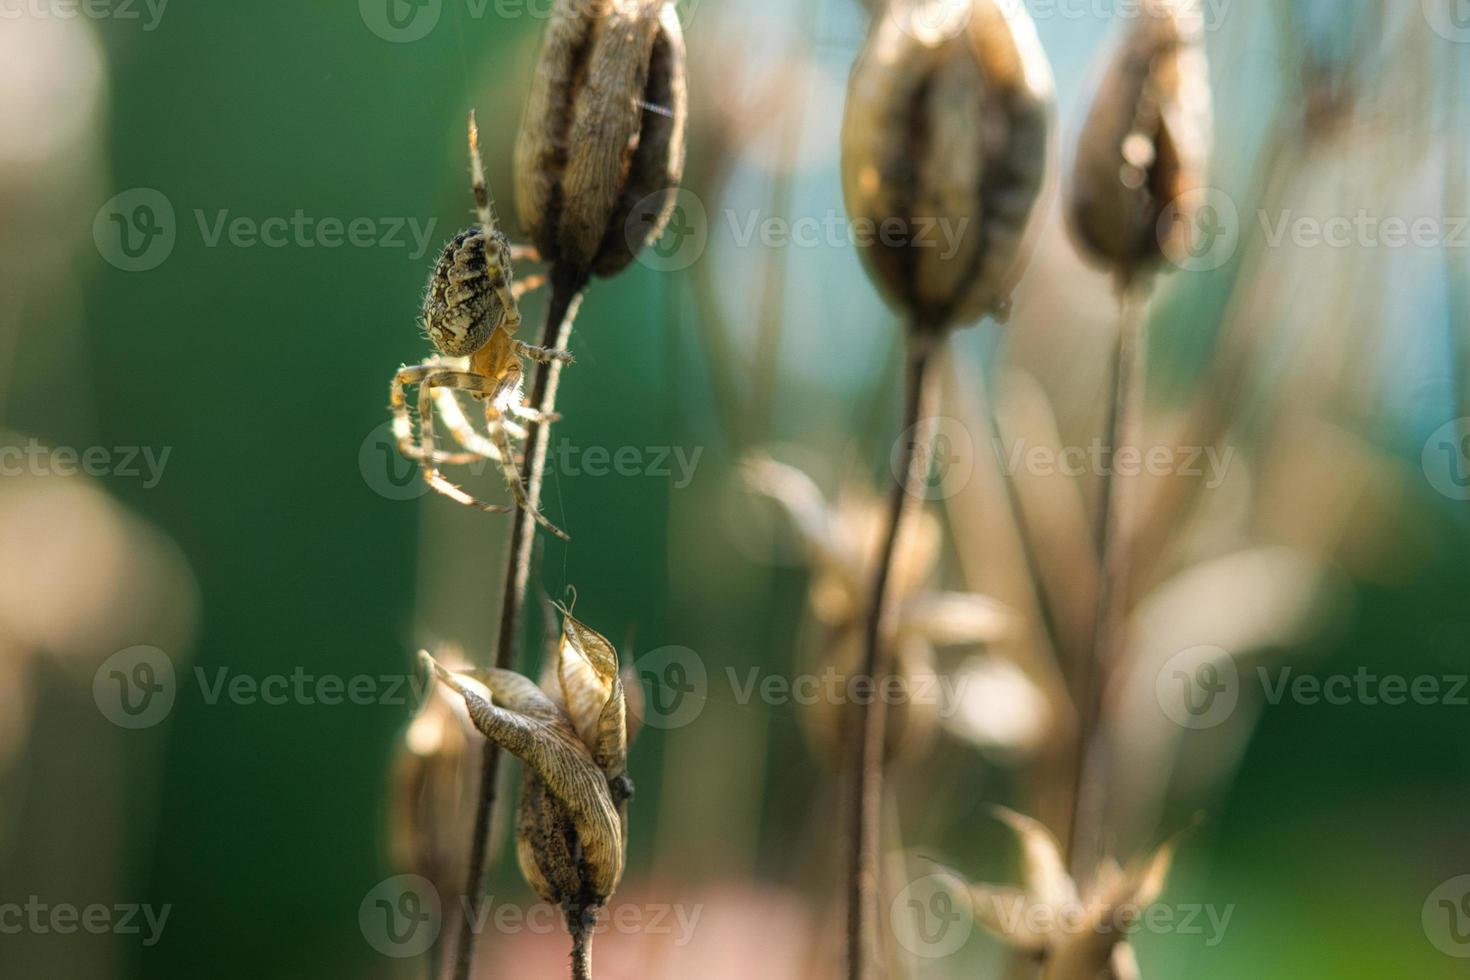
(1143, 148)
(601, 148)
(433, 771)
(944, 150)
(571, 733)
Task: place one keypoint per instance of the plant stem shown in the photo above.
(1114, 547)
(866, 775)
(566, 297)
(581, 947)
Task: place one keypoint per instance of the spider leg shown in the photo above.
(449, 379)
(525, 253)
(458, 423)
(484, 207)
(524, 411)
(543, 355)
(527, 284)
(518, 490)
(403, 423)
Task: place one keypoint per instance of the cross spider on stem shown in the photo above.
(471, 315)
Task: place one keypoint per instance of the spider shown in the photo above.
(471, 315)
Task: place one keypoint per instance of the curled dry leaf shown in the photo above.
(569, 831)
(1075, 937)
(601, 148)
(947, 126)
(1145, 144)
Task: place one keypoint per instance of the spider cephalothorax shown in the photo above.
(471, 314)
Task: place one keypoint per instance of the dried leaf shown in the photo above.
(1046, 877)
(587, 669)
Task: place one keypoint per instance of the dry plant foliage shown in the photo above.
(842, 541)
(1074, 936)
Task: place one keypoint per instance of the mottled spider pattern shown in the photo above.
(471, 315)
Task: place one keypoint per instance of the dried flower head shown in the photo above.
(601, 148)
(432, 777)
(571, 734)
(1075, 938)
(951, 126)
(843, 542)
(1144, 146)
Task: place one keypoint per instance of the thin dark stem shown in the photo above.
(866, 775)
(1114, 557)
(566, 296)
(581, 948)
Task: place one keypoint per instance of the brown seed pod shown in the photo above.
(601, 148)
(1142, 152)
(944, 150)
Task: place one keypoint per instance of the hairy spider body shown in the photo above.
(471, 313)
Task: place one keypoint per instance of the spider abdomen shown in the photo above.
(462, 307)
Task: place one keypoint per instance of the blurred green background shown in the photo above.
(264, 371)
